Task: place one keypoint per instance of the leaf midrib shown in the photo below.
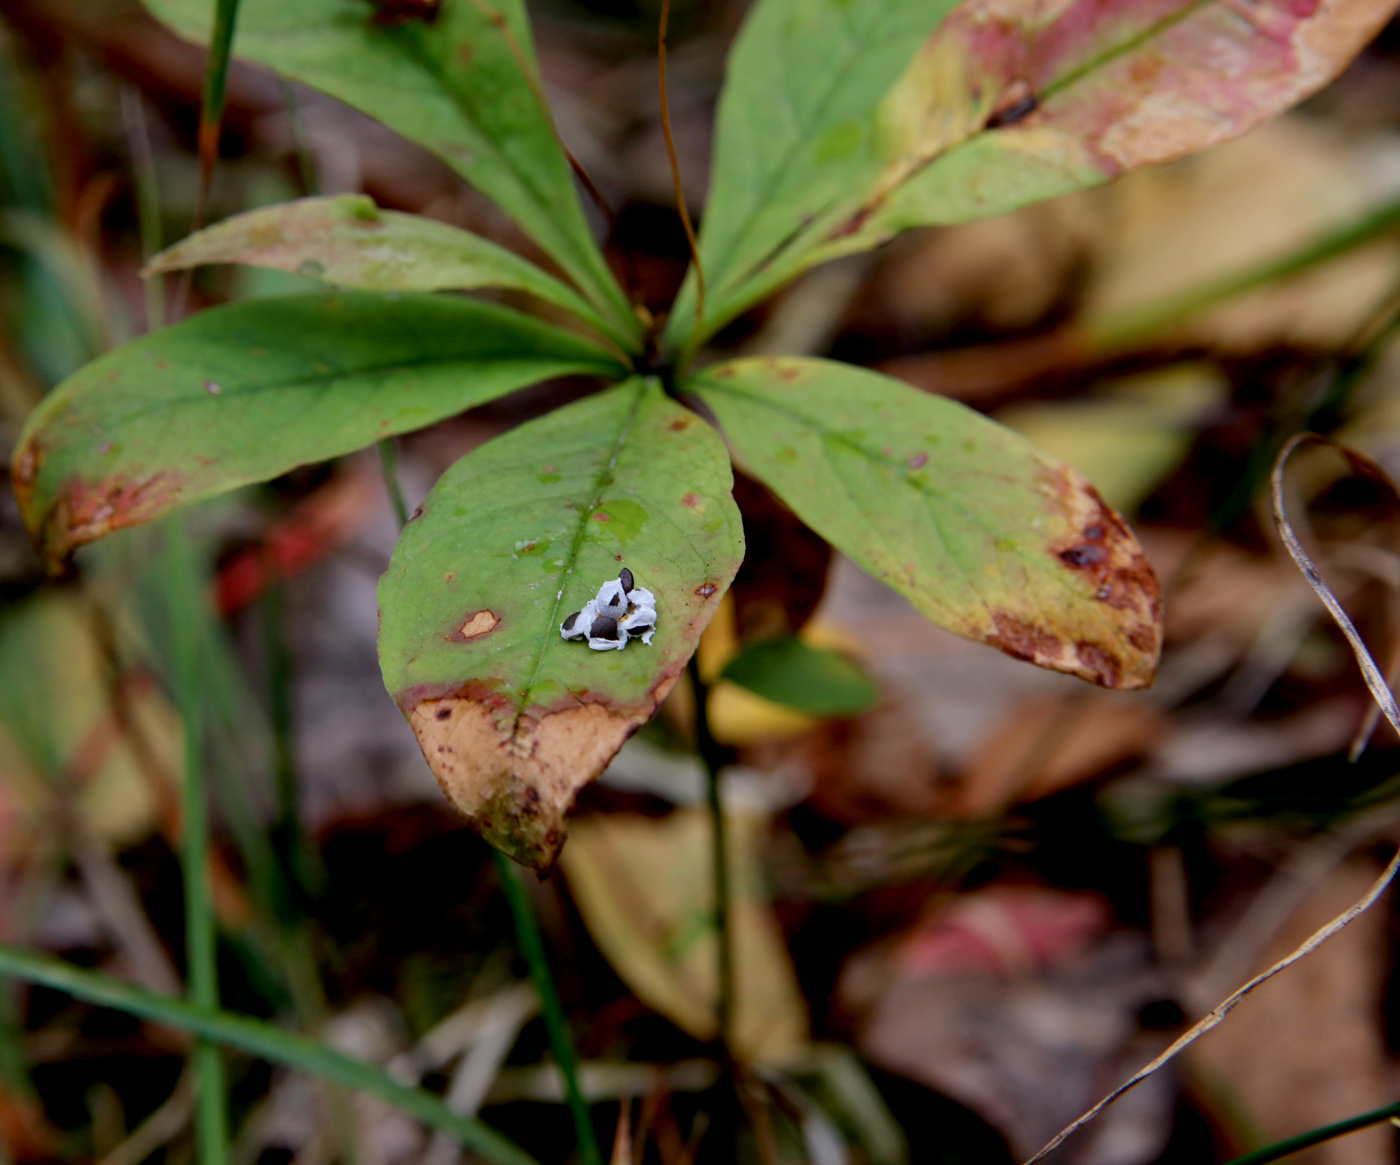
(327, 380)
(601, 479)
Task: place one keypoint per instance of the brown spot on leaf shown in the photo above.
(601, 517)
(706, 590)
(84, 511)
(1108, 628)
(690, 500)
(679, 425)
(918, 461)
(477, 624)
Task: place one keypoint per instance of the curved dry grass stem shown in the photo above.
(1363, 467)
(681, 207)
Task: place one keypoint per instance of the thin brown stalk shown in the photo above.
(681, 207)
(501, 25)
(1363, 467)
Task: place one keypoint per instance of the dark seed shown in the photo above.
(604, 627)
(625, 578)
(617, 603)
(1018, 110)
(571, 620)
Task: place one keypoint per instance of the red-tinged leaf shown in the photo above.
(1009, 102)
(1004, 107)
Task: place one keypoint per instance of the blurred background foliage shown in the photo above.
(970, 895)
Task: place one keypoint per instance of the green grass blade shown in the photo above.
(201, 933)
(527, 930)
(211, 111)
(264, 1041)
(1317, 1136)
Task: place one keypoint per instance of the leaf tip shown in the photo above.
(515, 779)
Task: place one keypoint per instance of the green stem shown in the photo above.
(389, 462)
(527, 931)
(1317, 1136)
(1132, 326)
(211, 112)
(201, 934)
(264, 1041)
(711, 755)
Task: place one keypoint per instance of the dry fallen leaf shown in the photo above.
(643, 886)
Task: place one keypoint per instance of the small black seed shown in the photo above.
(571, 620)
(604, 627)
(625, 578)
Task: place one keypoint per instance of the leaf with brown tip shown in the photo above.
(984, 534)
(512, 718)
(245, 392)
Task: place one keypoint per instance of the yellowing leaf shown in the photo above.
(985, 535)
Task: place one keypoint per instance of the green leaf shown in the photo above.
(1005, 104)
(815, 680)
(796, 133)
(983, 534)
(347, 241)
(245, 392)
(520, 533)
(463, 85)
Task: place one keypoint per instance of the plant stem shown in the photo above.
(711, 755)
(1133, 326)
(1317, 1136)
(389, 462)
(201, 936)
(264, 1041)
(527, 931)
(211, 111)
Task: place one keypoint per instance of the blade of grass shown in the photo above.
(211, 110)
(1317, 1136)
(201, 934)
(389, 463)
(1135, 325)
(1363, 467)
(263, 1041)
(561, 1044)
(711, 757)
(211, 121)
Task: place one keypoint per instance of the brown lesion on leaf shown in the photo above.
(477, 624)
(514, 779)
(1101, 551)
(83, 511)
